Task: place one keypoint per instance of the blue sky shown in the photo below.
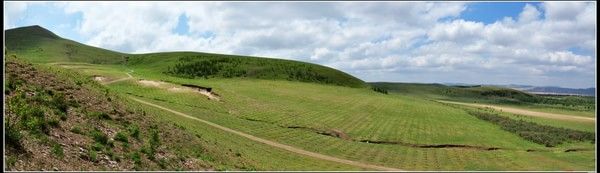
(491, 12)
(534, 43)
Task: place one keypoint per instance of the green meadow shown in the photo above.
(323, 110)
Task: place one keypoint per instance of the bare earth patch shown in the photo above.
(99, 78)
(528, 112)
(176, 88)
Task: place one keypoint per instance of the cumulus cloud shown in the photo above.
(13, 11)
(392, 41)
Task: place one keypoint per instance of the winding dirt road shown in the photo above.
(261, 140)
(122, 79)
(527, 112)
(272, 143)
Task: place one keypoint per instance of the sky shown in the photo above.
(529, 43)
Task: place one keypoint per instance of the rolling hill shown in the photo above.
(251, 113)
(34, 42)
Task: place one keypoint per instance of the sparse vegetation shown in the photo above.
(541, 134)
(99, 136)
(379, 90)
(134, 131)
(57, 150)
(120, 136)
(99, 115)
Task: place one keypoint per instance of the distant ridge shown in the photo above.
(562, 91)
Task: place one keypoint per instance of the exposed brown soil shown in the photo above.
(432, 146)
(181, 88)
(578, 149)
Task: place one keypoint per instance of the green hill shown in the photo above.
(473, 92)
(40, 45)
(37, 44)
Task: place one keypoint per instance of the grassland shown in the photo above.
(572, 105)
(266, 108)
(406, 131)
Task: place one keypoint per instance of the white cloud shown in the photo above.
(362, 38)
(13, 11)
(529, 14)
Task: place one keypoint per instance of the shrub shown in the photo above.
(92, 155)
(35, 120)
(59, 102)
(541, 134)
(97, 146)
(134, 131)
(77, 130)
(53, 123)
(57, 150)
(99, 137)
(13, 136)
(136, 157)
(120, 136)
(99, 115)
(379, 90)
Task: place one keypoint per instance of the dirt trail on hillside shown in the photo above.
(527, 112)
(272, 143)
(122, 79)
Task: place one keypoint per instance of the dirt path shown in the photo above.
(272, 143)
(527, 112)
(122, 79)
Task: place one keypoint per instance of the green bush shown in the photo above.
(379, 90)
(136, 157)
(77, 130)
(120, 136)
(53, 122)
(134, 131)
(57, 150)
(99, 137)
(97, 146)
(92, 155)
(99, 115)
(13, 136)
(35, 120)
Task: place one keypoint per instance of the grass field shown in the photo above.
(572, 105)
(266, 108)
(405, 131)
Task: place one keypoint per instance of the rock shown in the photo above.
(54, 168)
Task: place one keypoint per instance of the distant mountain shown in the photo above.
(562, 91)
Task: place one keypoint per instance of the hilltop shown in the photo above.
(37, 44)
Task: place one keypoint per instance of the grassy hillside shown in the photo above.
(204, 65)
(41, 46)
(59, 121)
(334, 120)
(407, 131)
